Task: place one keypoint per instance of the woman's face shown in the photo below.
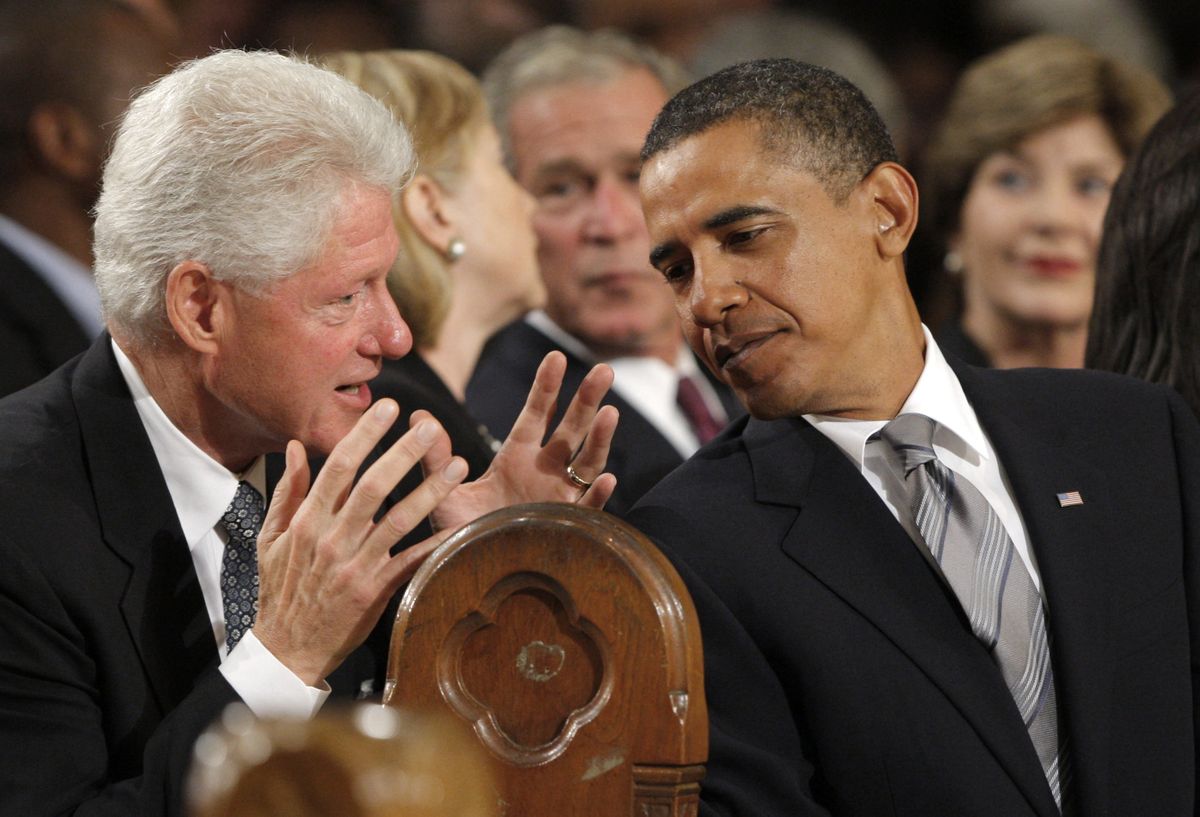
(494, 223)
(1030, 226)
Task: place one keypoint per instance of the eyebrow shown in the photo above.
(724, 218)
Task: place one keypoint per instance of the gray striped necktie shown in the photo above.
(239, 564)
(979, 562)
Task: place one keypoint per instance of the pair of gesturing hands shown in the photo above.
(326, 570)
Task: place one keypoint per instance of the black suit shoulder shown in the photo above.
(37, 331)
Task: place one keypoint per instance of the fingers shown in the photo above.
(531, 424)
(439, 453)
(334, 481)
(600, 492)
(404, 515)
(593, 454)
(288, 496)
(383, 475)
(580, 417)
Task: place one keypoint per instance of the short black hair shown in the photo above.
(810, 115)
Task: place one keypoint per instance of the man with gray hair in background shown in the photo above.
(243, 236)
(572, 109)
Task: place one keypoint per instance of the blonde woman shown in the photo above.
(1017, 179)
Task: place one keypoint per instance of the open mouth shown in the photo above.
(358, 393)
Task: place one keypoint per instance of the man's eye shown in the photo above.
(743, 236)
(676, 273)
(346, 300)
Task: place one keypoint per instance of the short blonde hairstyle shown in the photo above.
(442, 106)
(1013, 93)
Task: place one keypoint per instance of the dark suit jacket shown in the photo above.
(108, 665)
(37, 331)
(640, 455)
(842, 676)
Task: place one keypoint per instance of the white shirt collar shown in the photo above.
(937, 394)
(71, 281)
(201, 488)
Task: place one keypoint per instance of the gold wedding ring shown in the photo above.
(576, 480)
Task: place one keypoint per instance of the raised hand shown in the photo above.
(325, 570)
(524, 470)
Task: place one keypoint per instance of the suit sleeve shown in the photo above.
(757, 764)
(58, 756)
(1187, 447)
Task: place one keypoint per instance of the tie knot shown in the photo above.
(244, 516)
(911, 437)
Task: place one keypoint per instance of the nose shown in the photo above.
(1055, 208)
(714, 292)
(614, 212)
(388, 334)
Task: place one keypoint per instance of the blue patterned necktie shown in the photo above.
(239, 565)
(979, 562)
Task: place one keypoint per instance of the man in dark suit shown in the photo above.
(572, 109)
(850, 670)
(243, 237)
(67, 69)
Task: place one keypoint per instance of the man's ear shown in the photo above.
(65, 141)
(197, 303)
(429, 210)
(894, 200)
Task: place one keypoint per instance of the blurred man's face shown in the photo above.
(294, 362)
(576, 149)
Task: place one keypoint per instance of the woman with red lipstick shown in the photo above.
(1146, 321)
(467, 263)
(1017, 179)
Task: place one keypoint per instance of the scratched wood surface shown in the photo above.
(570, 645)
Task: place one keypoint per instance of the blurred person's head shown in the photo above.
(68, 69)
(243, 238)
(1018, 176)
(363, 761)
(463, 221)
(1146, 320)
(572, 109)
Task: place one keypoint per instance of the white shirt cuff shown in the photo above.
(270, 689)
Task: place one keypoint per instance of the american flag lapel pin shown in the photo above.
(1068, 499)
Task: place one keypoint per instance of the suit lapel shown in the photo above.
(849, 541)
(163, 605)
(26, 299)
(1040, 462)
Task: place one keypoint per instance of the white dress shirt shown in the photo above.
(201, 489)
(959, 441)
(71, 281)
(649, 384)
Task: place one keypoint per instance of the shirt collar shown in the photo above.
(937, 394)
(200, 487)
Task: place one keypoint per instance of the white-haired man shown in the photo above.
(243, 236)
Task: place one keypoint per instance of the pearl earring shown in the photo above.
(455, 250)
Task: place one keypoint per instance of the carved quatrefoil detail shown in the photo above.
(525, 669)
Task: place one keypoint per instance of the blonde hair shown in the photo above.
(1021, 89)
(442, 106)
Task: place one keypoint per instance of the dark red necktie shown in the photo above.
(692, 403)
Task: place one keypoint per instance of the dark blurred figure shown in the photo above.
(1017, 178)
(472, 32)
(315, 27)
(1146, 321)
(67, 70)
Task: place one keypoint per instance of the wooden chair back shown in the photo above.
(570, 645)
